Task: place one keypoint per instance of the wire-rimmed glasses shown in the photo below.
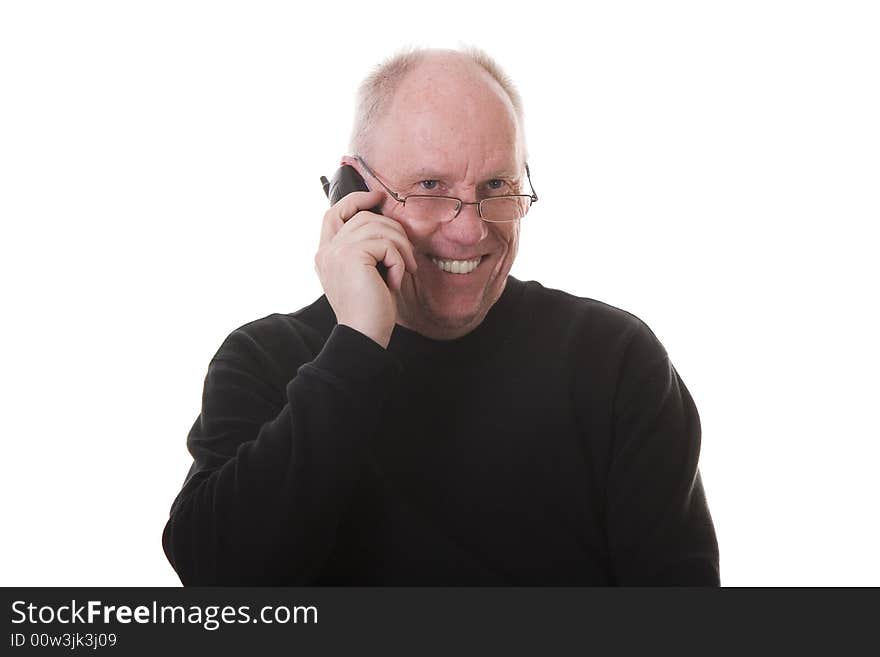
(494, 209)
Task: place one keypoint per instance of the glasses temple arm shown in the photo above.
(529, 176)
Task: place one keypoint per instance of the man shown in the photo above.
(451, 425)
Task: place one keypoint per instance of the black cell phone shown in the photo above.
(345, 181)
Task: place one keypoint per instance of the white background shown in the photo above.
(711, 167)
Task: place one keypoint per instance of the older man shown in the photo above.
(447, 423)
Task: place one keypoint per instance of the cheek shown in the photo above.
(417, 234)
(510, 236)
(391, 210)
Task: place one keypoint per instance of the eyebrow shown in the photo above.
(437, 174)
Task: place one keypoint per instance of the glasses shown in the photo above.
(494, 209)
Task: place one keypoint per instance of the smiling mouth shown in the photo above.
(461, 267)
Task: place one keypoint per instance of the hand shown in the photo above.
(353, 241)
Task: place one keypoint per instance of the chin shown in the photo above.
(444, 318)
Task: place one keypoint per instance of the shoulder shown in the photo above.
(586, 323)
(285, 339)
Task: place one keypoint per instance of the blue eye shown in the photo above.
(429, 184)
(496, 184)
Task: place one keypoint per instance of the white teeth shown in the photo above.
(457, 266)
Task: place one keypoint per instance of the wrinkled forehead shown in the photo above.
(450, 119)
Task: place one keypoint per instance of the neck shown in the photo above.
(439, 328)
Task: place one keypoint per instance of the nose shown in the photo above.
(467, 228)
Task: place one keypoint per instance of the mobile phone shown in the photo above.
(345, 181)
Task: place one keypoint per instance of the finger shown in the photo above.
(396, 269)
(396, 234)
(395, 277)
(345, 208)
(330, 226)
(367, 217)
(386, 252)
(351, 204)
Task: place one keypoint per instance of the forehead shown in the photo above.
(452, 117)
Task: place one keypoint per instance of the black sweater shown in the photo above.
(553, 445)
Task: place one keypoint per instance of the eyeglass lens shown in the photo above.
(505, 208)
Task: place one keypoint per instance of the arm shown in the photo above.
(660, 531)
(274, 469)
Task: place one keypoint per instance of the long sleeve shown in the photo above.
(660, 531)
(275, 465)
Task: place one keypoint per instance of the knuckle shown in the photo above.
(360, 217)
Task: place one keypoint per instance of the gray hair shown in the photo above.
(377, 89)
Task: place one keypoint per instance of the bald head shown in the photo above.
(422, 78)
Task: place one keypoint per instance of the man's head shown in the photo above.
(447, 123)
